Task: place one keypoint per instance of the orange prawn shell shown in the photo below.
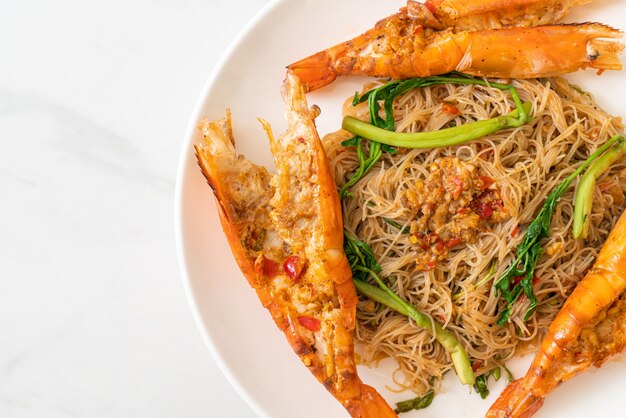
(229, 226)
(400, 48)
(335, 261)
(337, 371)
(489, 14)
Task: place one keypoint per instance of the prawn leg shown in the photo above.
(589, 329)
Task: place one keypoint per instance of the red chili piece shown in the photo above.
(517, 279)
(441, 244)
(450, 109)
(484, 208)
(270, 267)
(459, 186)
(293, 267)
(453, 242)
(430, 266)
(487, 181)
(310, 323)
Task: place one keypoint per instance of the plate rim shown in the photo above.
(181, 179)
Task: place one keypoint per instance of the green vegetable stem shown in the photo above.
(584, 194)
(387, 93)
(363, 265)
(442, 138)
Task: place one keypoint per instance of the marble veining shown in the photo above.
(94, 102)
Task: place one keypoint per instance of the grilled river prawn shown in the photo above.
(286, 234)
(589, 329)
(399, 47)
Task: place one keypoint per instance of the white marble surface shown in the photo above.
(94, 101)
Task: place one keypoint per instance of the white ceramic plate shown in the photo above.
(240, 334)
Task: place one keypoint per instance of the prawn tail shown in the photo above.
(373, 405)
(516, 401)
(315, 71)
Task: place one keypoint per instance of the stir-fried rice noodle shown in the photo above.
(525, 164)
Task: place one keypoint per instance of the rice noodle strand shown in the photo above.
(526, 164)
